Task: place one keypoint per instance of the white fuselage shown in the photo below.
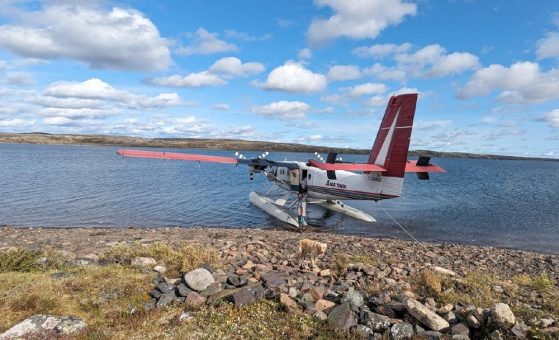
(346, 186)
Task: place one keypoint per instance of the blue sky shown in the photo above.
(316, 72)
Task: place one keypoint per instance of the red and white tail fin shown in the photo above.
(390, 150)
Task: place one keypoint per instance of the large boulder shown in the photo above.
(354, 298)
(198, 279)
(375, 321)
(502, 315)
(425, 315)
(45, 326)
(341, 318)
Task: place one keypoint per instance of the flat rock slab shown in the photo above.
(44, 327)
(425, 315)
(342, 318)
(246, 295)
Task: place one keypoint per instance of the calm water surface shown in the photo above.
(498, 203)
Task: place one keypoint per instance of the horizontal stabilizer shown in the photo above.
(176, 156)
(346, 166)
(412, 166)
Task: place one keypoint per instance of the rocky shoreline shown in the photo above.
(367, 287)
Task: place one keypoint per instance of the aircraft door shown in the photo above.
(294, 178)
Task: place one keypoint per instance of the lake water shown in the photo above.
(488, 202)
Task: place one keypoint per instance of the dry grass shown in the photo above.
(340, 263)
(176, 259)
(428, 283)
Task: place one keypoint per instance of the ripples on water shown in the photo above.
(498, 203)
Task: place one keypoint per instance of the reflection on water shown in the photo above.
(500, 203)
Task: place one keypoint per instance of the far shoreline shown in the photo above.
(221, 144)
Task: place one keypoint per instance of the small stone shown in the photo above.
(460, 329)
(249, 265)
(293, 292)
(165, 300)
(182, 290)
(401, 331)
(325, 272)
(431, 335)
(473, 322)
(164, 287)
(519, 330)
(288, 303)
(341, 317)
(324, 305)
(317, 292)
(498, 289)
(185, 316)
(155, 293)
(446, 308)
(160, 269)
(376, 321)
(363, 331)
(236, 280)
(546, 322)
(198, 279)
(146, 262)
(220, 276)
(444, 271)
(320, 315)
(502, 315)
(354, 298)
(212, 289)
(450, 317)
(194, 300)
(496, 335)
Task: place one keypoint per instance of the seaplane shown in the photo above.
(331, 183)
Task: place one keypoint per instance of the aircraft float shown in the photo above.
(330, 183)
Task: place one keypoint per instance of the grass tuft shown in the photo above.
(182, 258)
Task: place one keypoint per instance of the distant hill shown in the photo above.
(218, 144)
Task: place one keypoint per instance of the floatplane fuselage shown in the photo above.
(331, 182)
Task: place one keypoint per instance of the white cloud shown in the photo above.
(385, 73)
(304, 53)
(19, 78)
(284, 23)
(204, 42)
(15, 123)
(198, 79)
(522, 82)
(245, 36)
(349, 93)
(433, 61)
(231, 66)
(221, 107)
(548, 47)
(427, 62)
(358, 19)
(294, 77)
(118, 38)
(367, 89)
(284, 110)
(431, 125)
(381, 50)
(343, 72)
(551, 118)
(96, 89)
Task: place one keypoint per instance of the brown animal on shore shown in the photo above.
(312, 248)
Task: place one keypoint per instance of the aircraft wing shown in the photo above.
(259, 163)
(176, 156)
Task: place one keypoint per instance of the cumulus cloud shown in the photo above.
(430, 61)
(551, 118)
(548, 47)
(521, 83)
(231, 66)
(204, 43)
(349, 93)
(117, 38)
(284, 110)
(197, 79)
(358, 19)
(343, 72)
(295, 78)
(381, 50)
(96, 89)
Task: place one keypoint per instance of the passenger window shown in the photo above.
(309, 176)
